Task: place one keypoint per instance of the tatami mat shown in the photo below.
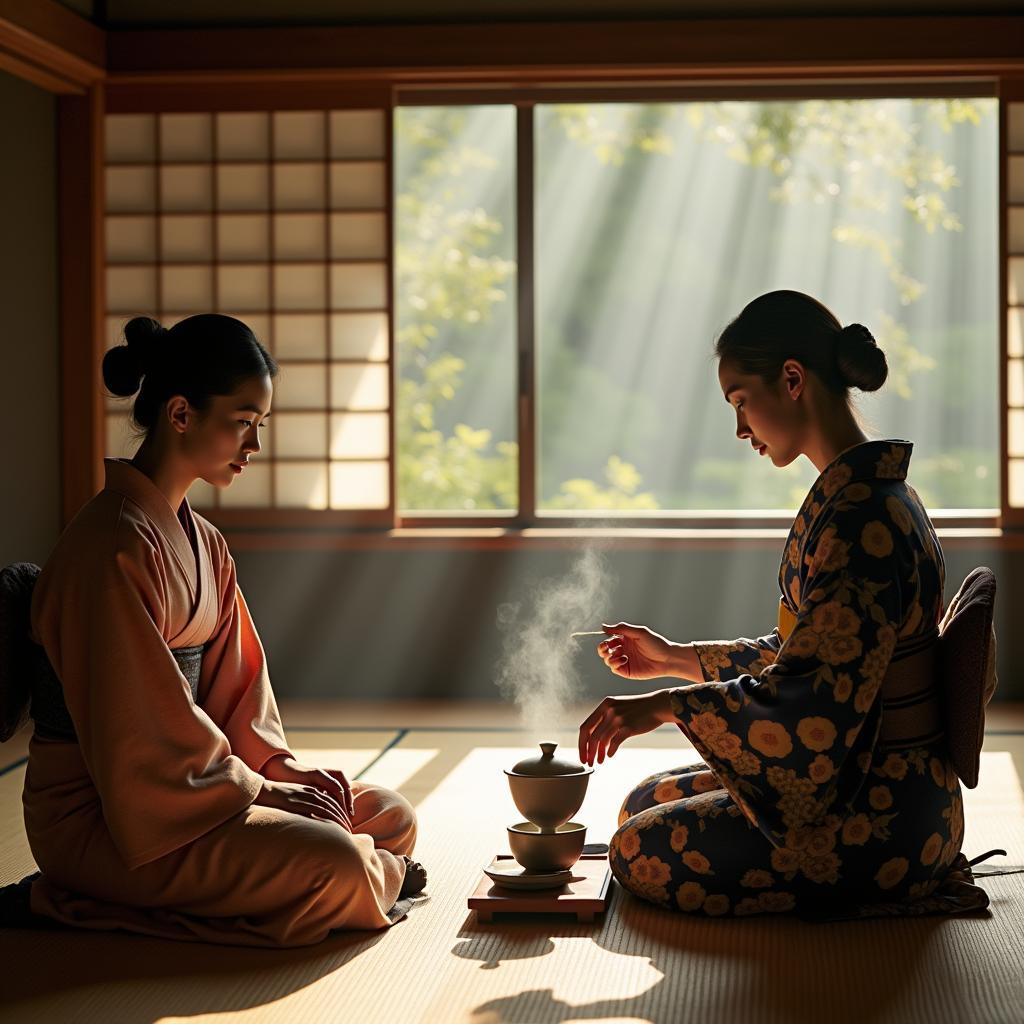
(638, 964)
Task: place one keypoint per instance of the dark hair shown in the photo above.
(201, 356)
(785, 325)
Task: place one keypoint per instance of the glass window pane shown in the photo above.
(358, 286)
(300, 434)
(131, 189)
(358, 236)
(300, 236)
(131, 239)
(300, 386)
(186, 238)
(300, 335)
(359, 485)
(243, 236)
(299, 135)
(301, 484)
(299, 186)
(455, 287)
(359, 387)
(187, 187)
(185, 137)
(131, 290)
(357, 186)
(359, 435)
(356, 133)
(186, 288)
(243, 187)
(656, 223)
(243, 136)
(359, 336)
(243, 287)
(250, 489)
(130, 138)
(299, 286)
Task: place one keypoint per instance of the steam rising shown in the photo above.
(539, 668)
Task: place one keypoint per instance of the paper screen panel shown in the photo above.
(359, 336)
(300, 335)
(355, 386)
(186, 288)
(130, 138)
(243, 236)
(243, 136)
(358, 235)
(130, 239)
(357, 133)
(186, 238)
(1015, 303)
(186, 138)
(300, 386)
(359, 485)
(300, 236)
(359, 435)
(130, 189)
(299, 135)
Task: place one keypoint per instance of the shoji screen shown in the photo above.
(280, 219)
(1015, 300)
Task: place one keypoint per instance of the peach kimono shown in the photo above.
(144, 820)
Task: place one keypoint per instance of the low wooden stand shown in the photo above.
(584, 898)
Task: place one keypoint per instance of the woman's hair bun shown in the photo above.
(861, 362)
(124, 366)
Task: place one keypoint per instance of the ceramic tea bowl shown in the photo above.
(546, 851)
(548, 790)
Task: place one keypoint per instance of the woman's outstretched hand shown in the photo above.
(325, 793)
(618, 718)
(636, 652)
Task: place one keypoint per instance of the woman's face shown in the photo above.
(223, 439)
(767, 415)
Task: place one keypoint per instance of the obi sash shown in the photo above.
(50, 713)
(911, 713)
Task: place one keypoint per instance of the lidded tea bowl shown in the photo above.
(548, 790)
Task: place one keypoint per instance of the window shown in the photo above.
(654, 224)
(556, 274)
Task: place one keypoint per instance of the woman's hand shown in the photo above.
(305, 800)
(332, 784)
(636, 652)
(618, 718)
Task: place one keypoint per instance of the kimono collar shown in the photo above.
(124, 479)
(887, 459)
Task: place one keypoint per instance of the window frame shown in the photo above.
(181, 84)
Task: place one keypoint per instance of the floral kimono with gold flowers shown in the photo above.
(797, 805)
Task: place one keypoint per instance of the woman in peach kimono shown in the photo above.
(803, 801)
(160, 794)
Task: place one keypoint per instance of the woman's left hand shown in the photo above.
(618, 718)
(287, 769)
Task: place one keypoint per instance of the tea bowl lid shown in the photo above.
(547, 765)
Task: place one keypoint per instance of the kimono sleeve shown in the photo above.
(234, 686)
(732, 657)
(786, 743)
(165, 774)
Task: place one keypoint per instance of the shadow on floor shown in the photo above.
(789, 970)
(104, 969)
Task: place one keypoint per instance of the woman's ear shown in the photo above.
(179, 413)
(794, 378)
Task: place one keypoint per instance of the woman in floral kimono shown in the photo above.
(161, 795)
(804, 801)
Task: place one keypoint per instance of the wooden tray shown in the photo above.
(584, 898)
